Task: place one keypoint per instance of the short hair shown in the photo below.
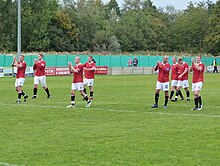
(41, 55)
(77, 57)
(90, 56)
(180, 58)
(22, 55)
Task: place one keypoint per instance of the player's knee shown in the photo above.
(72, 92)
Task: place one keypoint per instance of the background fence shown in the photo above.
(109, 60)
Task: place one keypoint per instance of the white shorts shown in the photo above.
(77, 86)
(40, 80)
(162, 86)
(88, 82)
(197, 86)
(19, 82)
(174, 83)
(184, 84)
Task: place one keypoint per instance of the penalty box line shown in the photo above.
(114, 110)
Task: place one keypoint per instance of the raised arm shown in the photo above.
(71, 68)
(15, 63)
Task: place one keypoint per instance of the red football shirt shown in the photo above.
(39, 68)
(175, 72)
(78, 77)
(164, 70)
(198, 75)
(182, 68)
(21, 70)
(89, 74)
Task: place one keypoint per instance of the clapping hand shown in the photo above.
(35, 61)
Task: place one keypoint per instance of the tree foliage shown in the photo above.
(88, 25)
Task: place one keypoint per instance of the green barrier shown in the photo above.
(101, 60)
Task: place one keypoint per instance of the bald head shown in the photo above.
(77, 60)
(165, 59)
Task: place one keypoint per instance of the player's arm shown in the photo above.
(192, 66)
(91, 69)
(158, 66)
(13, 62)
(16, 63)
(198, 67)
(35, 64)
(71, 68)
(181, 75)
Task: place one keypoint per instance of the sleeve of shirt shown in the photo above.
(203, 68)
(34, 67)
(24, 65)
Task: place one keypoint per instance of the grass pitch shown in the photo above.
(119, 129)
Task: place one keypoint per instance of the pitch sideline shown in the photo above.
(121, 111)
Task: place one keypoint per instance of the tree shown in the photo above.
(189, 30)
(213, 38)
(36, 18)
(62, 33)
(113, 5)
(8, 23)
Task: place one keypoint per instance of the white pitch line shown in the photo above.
(7, 164)
(115, 103)
(121, 111)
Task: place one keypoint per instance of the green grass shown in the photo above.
(119, 128)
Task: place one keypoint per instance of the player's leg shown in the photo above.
(72, 98)
(22, 92)
(36, 83)
(85, 96)
(91, 92)
(199, 88)
(187, 94)
(177, 94)
(199, 101)
(181, 95)
(85, 83)
(173, 88)
(19, 84)
(156, 97)
(166, 98)
(166, 91)
(44, 85)
(19, 94)
(196, 88)
(196, 100)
